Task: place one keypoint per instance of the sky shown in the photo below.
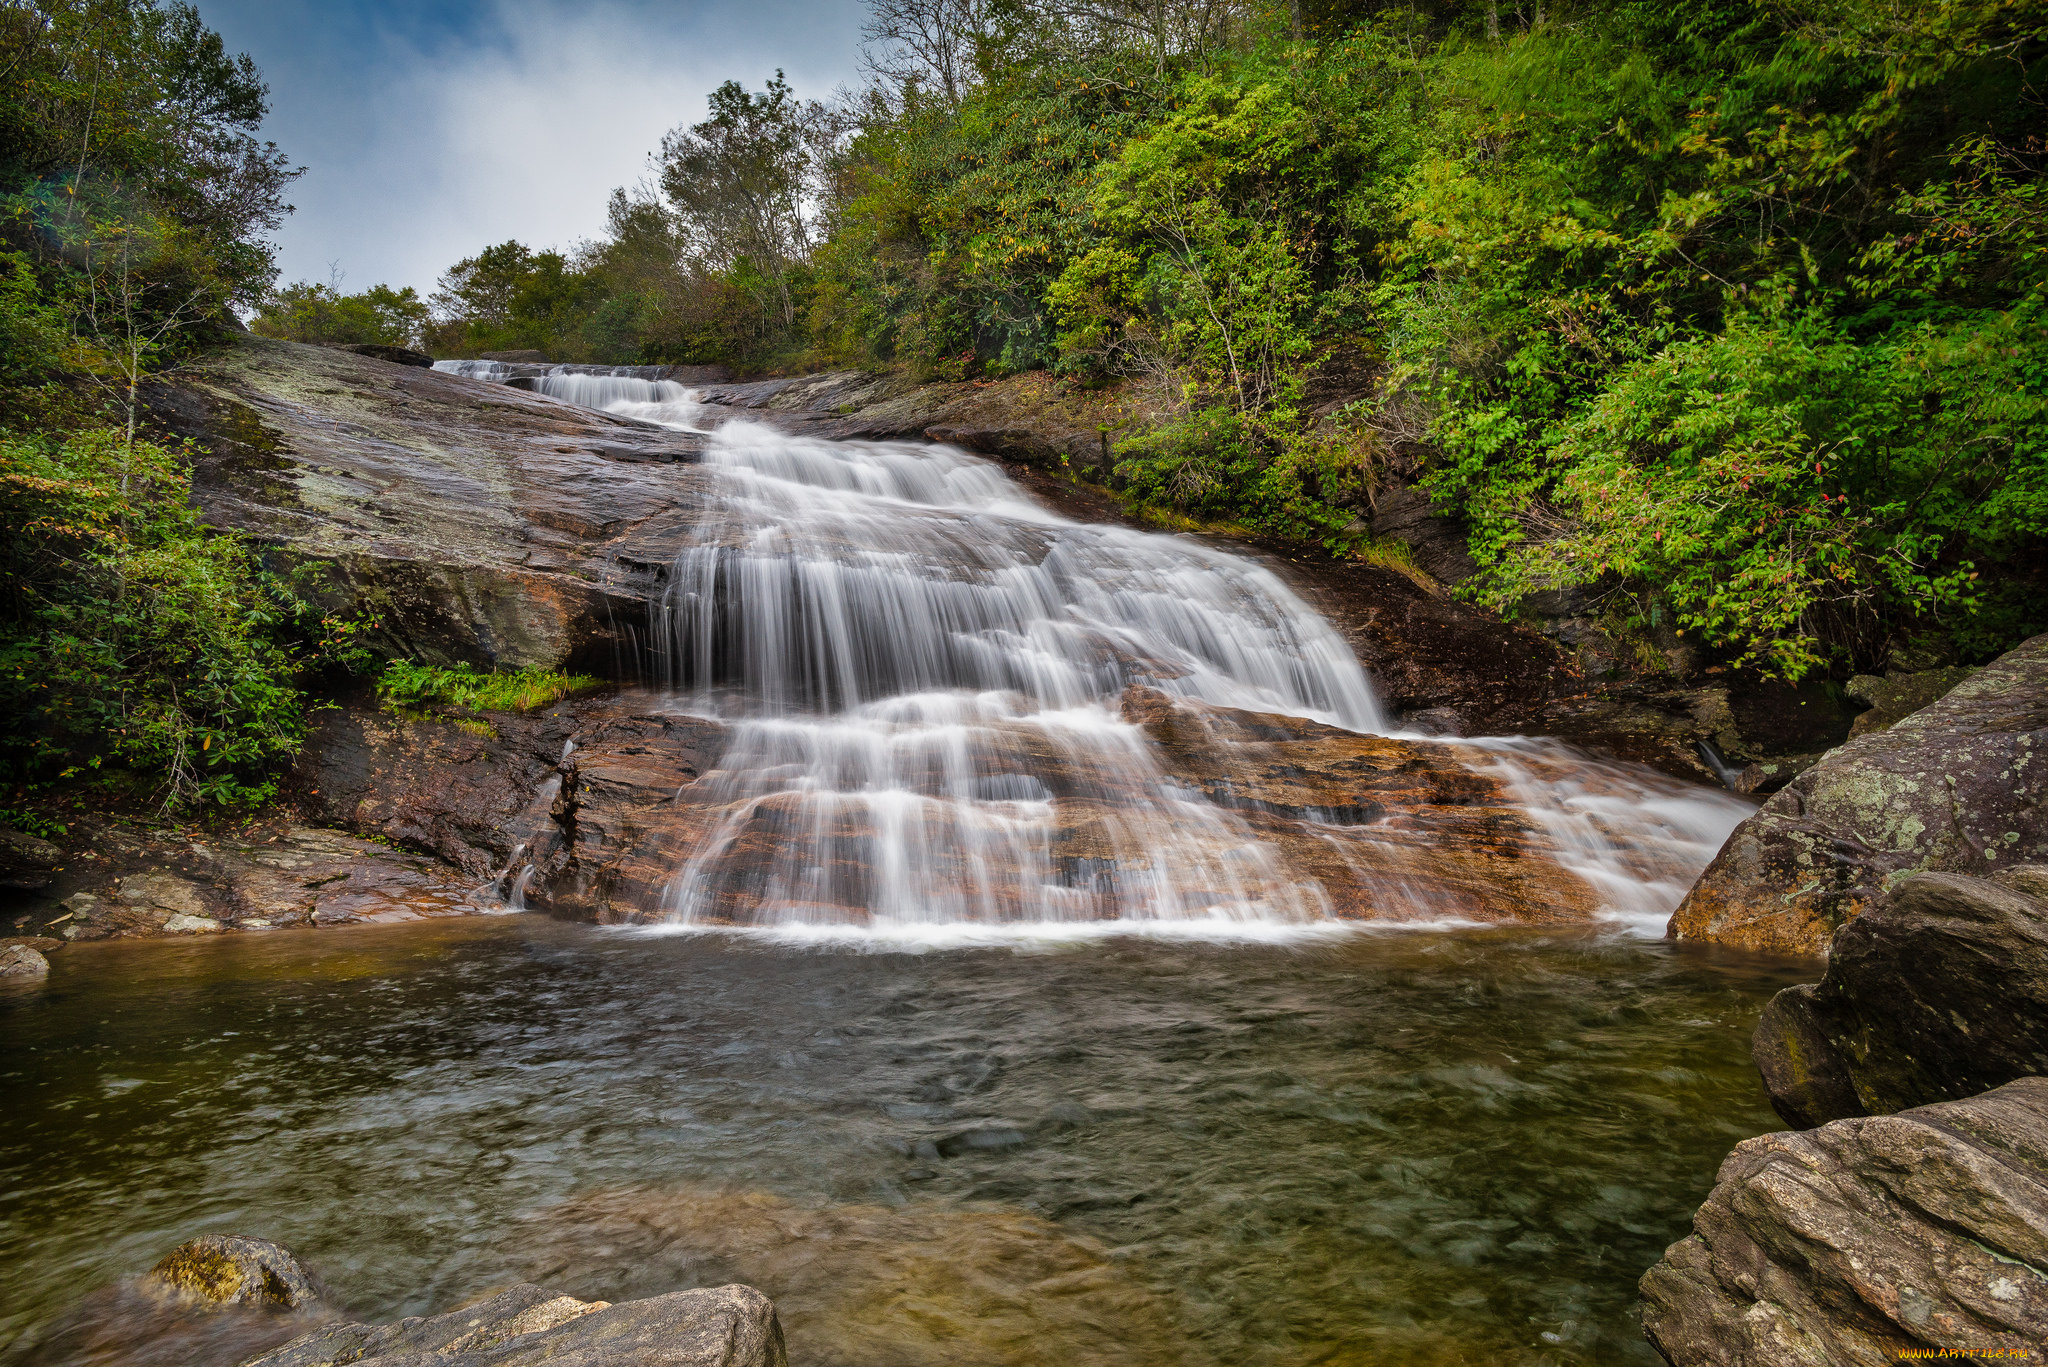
(430, 129)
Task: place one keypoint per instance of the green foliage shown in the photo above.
(1726, 315)
(131, 176)
(1784, 401)
(132, 638)
(407, 685)
(33, 823)
(322, 313)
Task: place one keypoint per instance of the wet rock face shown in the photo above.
(477, 523)
(601, 796)
(727, 1326)
(1865, 1239)
(587, 791)
(1414, 813)
(1938, 992)
(125, 881)
(230, 1269)
(1956, 787)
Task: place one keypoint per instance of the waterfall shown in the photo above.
(492, 371)
(921, 671)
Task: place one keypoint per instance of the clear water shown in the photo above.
(1353, 1147)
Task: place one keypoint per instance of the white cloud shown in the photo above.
(422, 149)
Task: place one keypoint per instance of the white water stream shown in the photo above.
(923, 669)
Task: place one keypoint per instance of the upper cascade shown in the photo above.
(928, 683)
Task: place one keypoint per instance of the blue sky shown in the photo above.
(434, 128)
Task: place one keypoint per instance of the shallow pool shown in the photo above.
(1402, 1148)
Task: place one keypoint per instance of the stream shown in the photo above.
(1416, 1147)
(1008, 1050)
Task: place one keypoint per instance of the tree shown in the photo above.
(133, 110)
(744, 186)
(307, 312)
(931, 44)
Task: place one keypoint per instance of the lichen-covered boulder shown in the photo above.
(1867, 1239)
(1961, 786)
(231, 1269)
(727, 1326)
(1938, 992)
(473, 522)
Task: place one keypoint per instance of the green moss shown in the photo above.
(201, 1271)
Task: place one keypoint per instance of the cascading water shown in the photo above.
(922, 672)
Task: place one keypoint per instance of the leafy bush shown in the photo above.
(134, 639)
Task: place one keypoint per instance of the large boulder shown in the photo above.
(1866, 1240)
(1938, 992)
(1957, 787)
(726, 1326)
(475, 522)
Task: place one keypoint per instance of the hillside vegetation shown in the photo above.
(1725, 317)
(1720, 323)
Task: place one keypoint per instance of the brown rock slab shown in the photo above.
(1389, 828)
(129, 880)
(1856, 1243)
(588, 791)
(1938, 992)
(726, 1326)
(1956, 787)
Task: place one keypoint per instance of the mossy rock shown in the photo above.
(230, 1269)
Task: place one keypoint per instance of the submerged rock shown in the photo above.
(1867, 1239)
(231, 1269)
(727, 1326)
(1938, 992)
(1957, 787)
(929, 1284)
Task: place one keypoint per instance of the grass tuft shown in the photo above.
(408, 685)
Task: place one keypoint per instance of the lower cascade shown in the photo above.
(946, 707)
